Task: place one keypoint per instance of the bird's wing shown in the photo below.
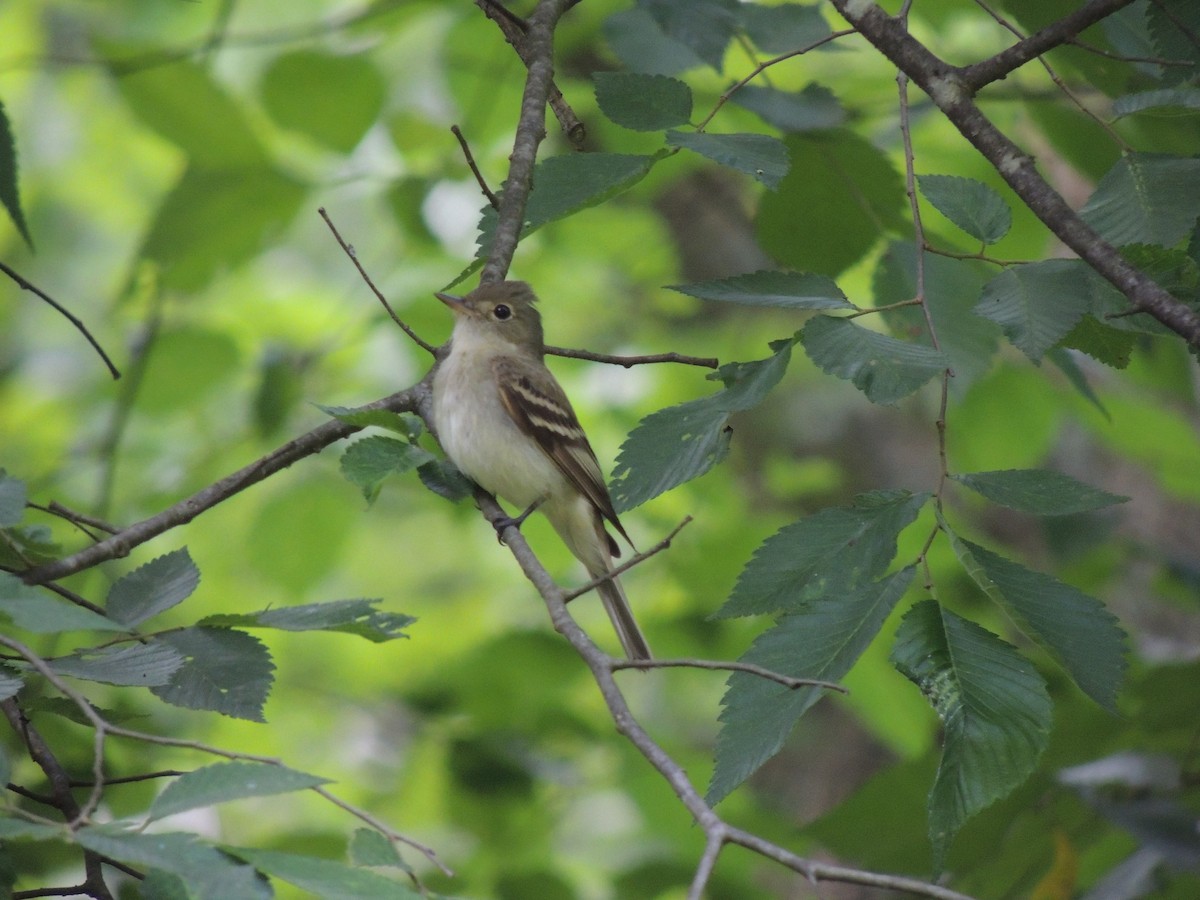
(540, 408)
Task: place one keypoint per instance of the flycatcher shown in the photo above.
(505, 421)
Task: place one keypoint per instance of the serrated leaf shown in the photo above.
(994, 709)
(1039, 491)
(971, 205)
(822, 641)
(823, 555)
(359, 617)
(208, 873)
(367, 462)
(401, 423)
(792, 290)
(640, 43)
(682, 442)
(334, 99)
(370, 848)
(1037, 304)
(12, 500)
(758, 155)
(10, 194)
(138, 665)
(1146, 198)
(704, 26)
(1165, 98)
(150, 589)
(563, 185)
(10, 683)
(225, 671)
(223, 782)
(643, 102)
(36, 610)
(779, 29)
(443, 478)
(885, 369)
(1077, 629)
(325, 878)
(813, 108)
(1103, 343)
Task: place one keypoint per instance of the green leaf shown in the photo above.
(563, 185)
(792, 290)
(18, 829)
(823, 555)
(366, 463)
(10, 683)
(1173, 26)
(1070, 368)
(1039, 491)
(184, 367)
(780, 29)
(359, 617)
(370, 848)
(36, 610)
(225, 671)
(137, 665)
(1165, 98)
(813, 108)
(843, 184)
(759, 155)
(643, 102)
(704, 26)
(208, 873)
(401, 423)
(640, 43)
(9, 193)
(1146, 198)
(443, 478)
(222, 782)
(994, 709)
(1037, 304)
(150, 589)
(822, 641)
(332, 99)
(1077, 629)
(971, 205)
(683, 442)
(12, 500)
(1102, 342)
(885, 369)
(325, 878)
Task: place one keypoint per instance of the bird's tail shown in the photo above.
(621, 615)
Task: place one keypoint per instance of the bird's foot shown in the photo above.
(514, 521)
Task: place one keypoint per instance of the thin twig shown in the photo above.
(788, 681)
(636, 559)
(707, 362)
(483, 185)
(71, 317)
(75, 517)
(349, 251)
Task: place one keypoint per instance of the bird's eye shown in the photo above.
(502, 312)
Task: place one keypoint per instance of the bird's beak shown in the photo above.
(453, 301)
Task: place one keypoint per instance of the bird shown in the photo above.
(505, 422)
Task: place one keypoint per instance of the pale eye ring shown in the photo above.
(502, 312)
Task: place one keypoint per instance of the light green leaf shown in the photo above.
(138, 665)
(823, 555)
(1039, 491)
(225, 671)
(325, 878)
(333, 99)
(36, 610)
(401, 423)
(370, 848)
(10, 195)
(759, 155)
(366, 463)
(12, 500)
(1037, 304)
(884, 368)
(821, 641)
(1077, 629)
(222, 782)
(643, 102)
(150, 589)
(186, 366)
(971, 205)
(682, 442)
(994, 709)
(359, 617)
(704, 26)
(792, 290)
(1146, 198)
(780, 29)
(813, 108)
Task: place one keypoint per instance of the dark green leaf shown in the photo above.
(160, 885)
(793, 290)
(370, 848)
(1173, 26)
(683, 442)
(1075, 628)
(443, 478)
(366, 463)
(1146, 198)
(138, 665)
(1103, 343)
(1039, 491)
(1070, 368)
(821, 641)
(1165, 98)
(971, 205)
(758, 155)
(150, 589)
(883, 368)
(12, 500)
(10, 195)
(1037, 304)
(222, 782)
(823, 555)
(332, 99)
(815, 107)
(325, 878)
(36, 610)
(994, 710)
(279, 389)
(783, 28)
(643, 102)
(704, 26)
(225, 671)
(358, 617)
(401, 423)
(641, 44)
(10, 683)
